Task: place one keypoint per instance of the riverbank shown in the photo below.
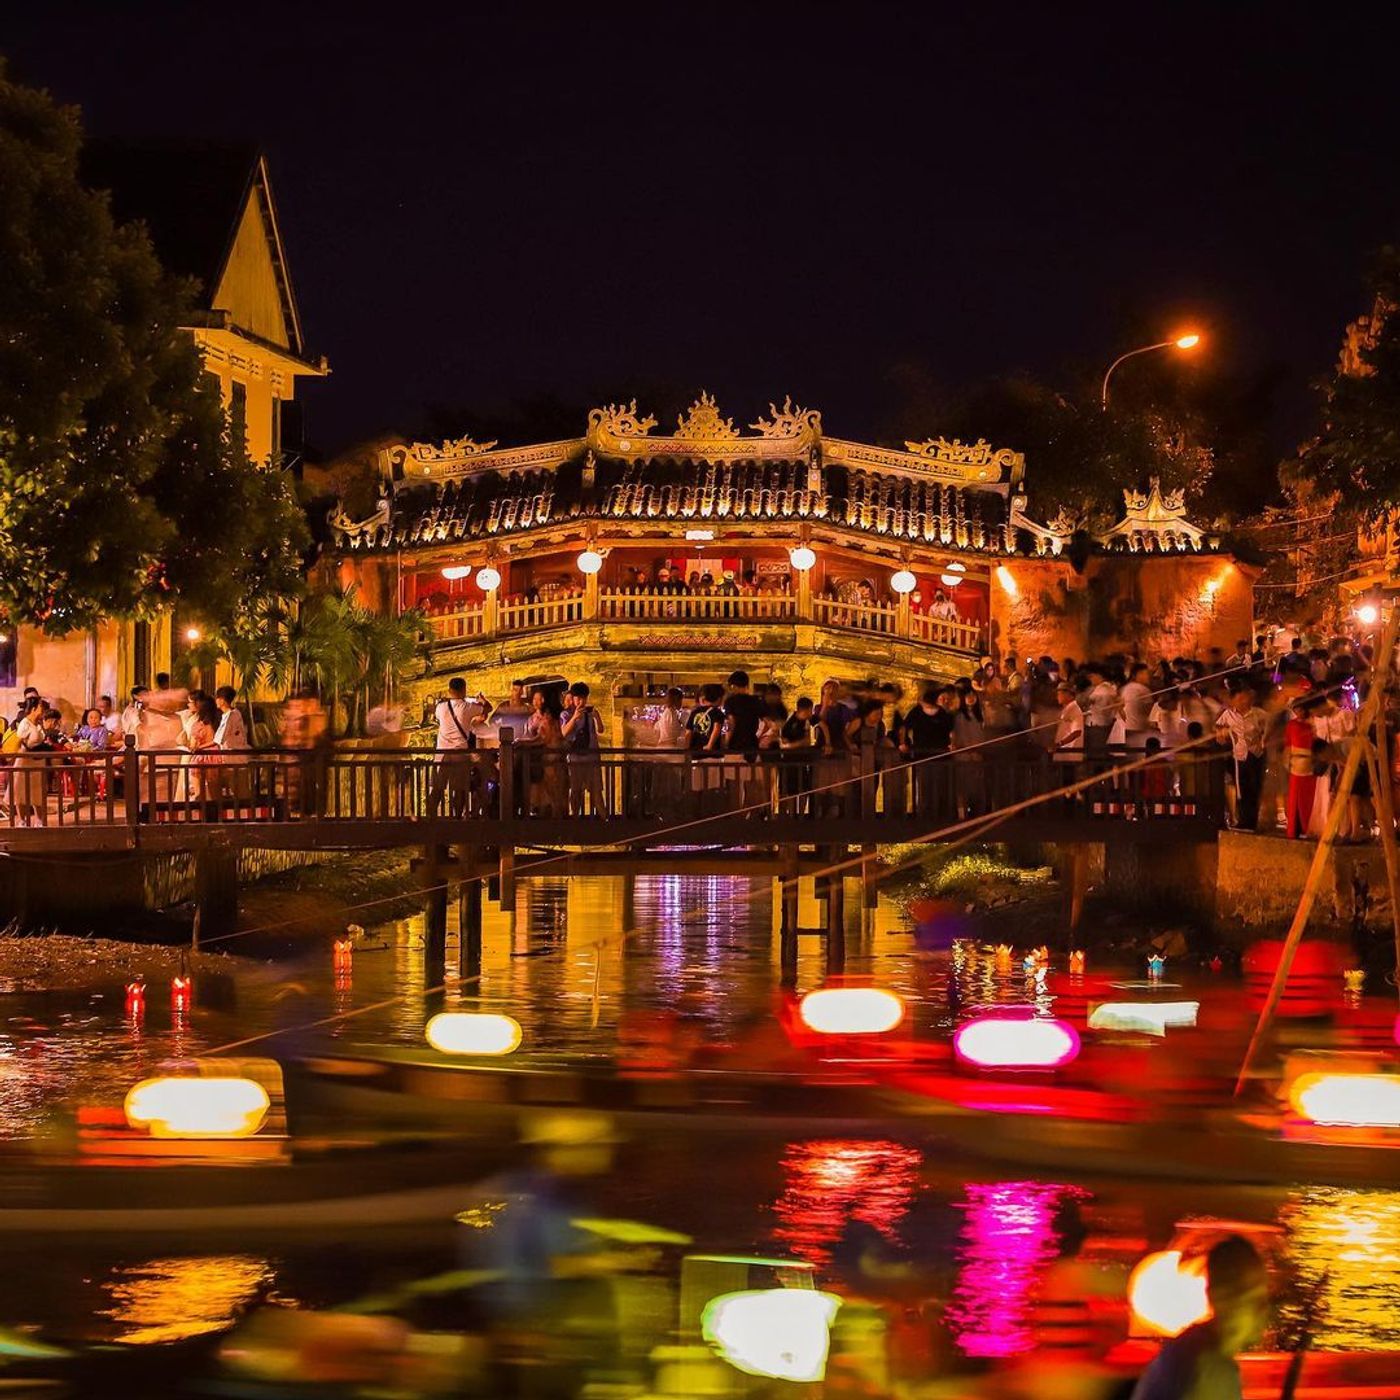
(59, 962)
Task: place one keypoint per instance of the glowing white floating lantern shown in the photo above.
(1002, 1042)
(456, 571)
(1168, 1294)
(488, 579)
(1348, 1100)
(589, 562)
(851, 1011)
(197, 1108)
(473, 1033)
(1147, 1017)
(802, 558)
(780, 1333)
(903, 581)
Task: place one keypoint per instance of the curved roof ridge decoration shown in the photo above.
(1154, 521)
(703, 433)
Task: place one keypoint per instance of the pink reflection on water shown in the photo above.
(1007, 1241)
(832, 1181)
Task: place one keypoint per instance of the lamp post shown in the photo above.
(1182, 342)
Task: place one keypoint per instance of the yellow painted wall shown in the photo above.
(71, 672)
(248, 289)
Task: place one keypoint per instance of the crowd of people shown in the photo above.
(198, 726)
(1279, 724)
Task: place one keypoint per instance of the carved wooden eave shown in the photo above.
(1045, 539)
(1155, 522)
(703, 433)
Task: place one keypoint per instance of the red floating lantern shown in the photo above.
(181, 992)
(136, 999)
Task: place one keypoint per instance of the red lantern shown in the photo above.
(181, 993)
(136, 1000)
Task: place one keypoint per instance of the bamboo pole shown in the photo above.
(1379, 753)
(1380, 676)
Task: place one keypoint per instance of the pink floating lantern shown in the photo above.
(1004, 1042)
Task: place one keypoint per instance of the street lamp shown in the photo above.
(1182, 342)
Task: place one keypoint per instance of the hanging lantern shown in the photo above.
(950, 580)
(488, 579)
(455, 571)
(802, 558)
(589, 562)
(903, 581)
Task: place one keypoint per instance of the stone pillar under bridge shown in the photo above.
(1164, 877)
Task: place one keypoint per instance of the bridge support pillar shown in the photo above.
(1076, 885)
(469, 915)
(787, 927)
(216, 890)
(835, 914)
(434, 884)
(869, 878)
(507, 870)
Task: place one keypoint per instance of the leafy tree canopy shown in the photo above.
(1355, 459)
(122, 487)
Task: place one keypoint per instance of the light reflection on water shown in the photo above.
(172, 1298)
(705, 951)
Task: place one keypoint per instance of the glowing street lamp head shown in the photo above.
(191, 634)
(1188, 342)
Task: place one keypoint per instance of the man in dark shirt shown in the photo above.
(928, 730)
(743, 712)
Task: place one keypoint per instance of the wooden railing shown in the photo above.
(855, 617)
(520, 786)
(649, 605)
(459, 624)
(943, 632)
(523, 616)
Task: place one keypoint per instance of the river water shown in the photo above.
(580, 961)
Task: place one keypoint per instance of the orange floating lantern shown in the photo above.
(1076, 961)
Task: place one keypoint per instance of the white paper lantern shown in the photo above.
(802, 558)
(903, 581)
(589, 562)
(488, 579)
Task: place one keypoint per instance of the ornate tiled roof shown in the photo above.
(497, 504)
(936, 492)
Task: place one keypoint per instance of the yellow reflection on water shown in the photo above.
(168, 1300)
(1350, 1239)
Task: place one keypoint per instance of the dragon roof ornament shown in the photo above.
(1154, 521)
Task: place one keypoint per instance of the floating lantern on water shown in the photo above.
(136, 999)
(1029, 962)
(1076, 961)
(1168, 1293)
(1004, 1042)
(1150, 1017)
(1003, 957)
(1354, 979)
(473, 1033)
(1347, 1100)
(1216, 964)
(780, 1333)
(851, 1011)
(197, 1108)
(1156, 965)
(181, 992)
(342, 952)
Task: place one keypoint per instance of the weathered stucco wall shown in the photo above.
(1155, 605)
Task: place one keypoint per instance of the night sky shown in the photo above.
(767, 199)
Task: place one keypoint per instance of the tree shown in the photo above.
(1354, 461)
(1079, 457)
(122, 488)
